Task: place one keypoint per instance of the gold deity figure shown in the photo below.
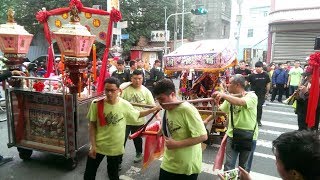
(74, 15)
(10, 15)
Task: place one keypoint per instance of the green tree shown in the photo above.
(144, 16)
(25, 11)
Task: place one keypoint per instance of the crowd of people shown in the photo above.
(113, 118)
(184, 129)
(280, 80)
(289, 148)
(150, 77)
(284, 77)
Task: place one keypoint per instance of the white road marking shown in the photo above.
(279, 104)
(281, 112)
(280, 125)
(264, 155)
(264, 143)
(270, 132)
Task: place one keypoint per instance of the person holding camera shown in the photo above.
(242, 130)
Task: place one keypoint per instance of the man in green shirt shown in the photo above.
(295, 75)
(137, 93)
(244, 117)
(107, 140)
(184, 131)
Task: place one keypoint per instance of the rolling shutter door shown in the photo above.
(290, 46)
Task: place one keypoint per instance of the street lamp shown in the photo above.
(166, 27)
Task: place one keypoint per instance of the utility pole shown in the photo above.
(166, 28)
(175, 27)
(165, 31)
(182, 24)
(239, 19)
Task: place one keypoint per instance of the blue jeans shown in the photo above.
(245, 157)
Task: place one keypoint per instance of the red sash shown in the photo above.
(154, 145)
(101, 117)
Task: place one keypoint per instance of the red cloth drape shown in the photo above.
(154, 145)
(50, 62)
(314, 61)
(115, 16)
(218, 161)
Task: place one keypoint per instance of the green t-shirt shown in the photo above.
(110, 138)
(244, 117)
(142, 96)
(184, 122)
(295, 76)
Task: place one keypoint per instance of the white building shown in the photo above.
(293, 27)
(253, 38)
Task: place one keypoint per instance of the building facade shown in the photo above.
(216, 23)
(293, 28)
(249, 27)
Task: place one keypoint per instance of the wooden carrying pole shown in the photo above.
(200, 111)
(179, 102)
(199, 100)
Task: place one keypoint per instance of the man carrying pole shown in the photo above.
(184, 131)
(242, 130)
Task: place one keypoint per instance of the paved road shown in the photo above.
(277, 119)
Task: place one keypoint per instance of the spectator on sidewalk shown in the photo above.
(121, 73)
(295, 75)
(244, 71)
(279, 82)
(156, 74)
(133, 66)
(287, 68)
(140, 66)
(260, 84)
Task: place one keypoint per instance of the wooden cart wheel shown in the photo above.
(24, 154)
(71, 163)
